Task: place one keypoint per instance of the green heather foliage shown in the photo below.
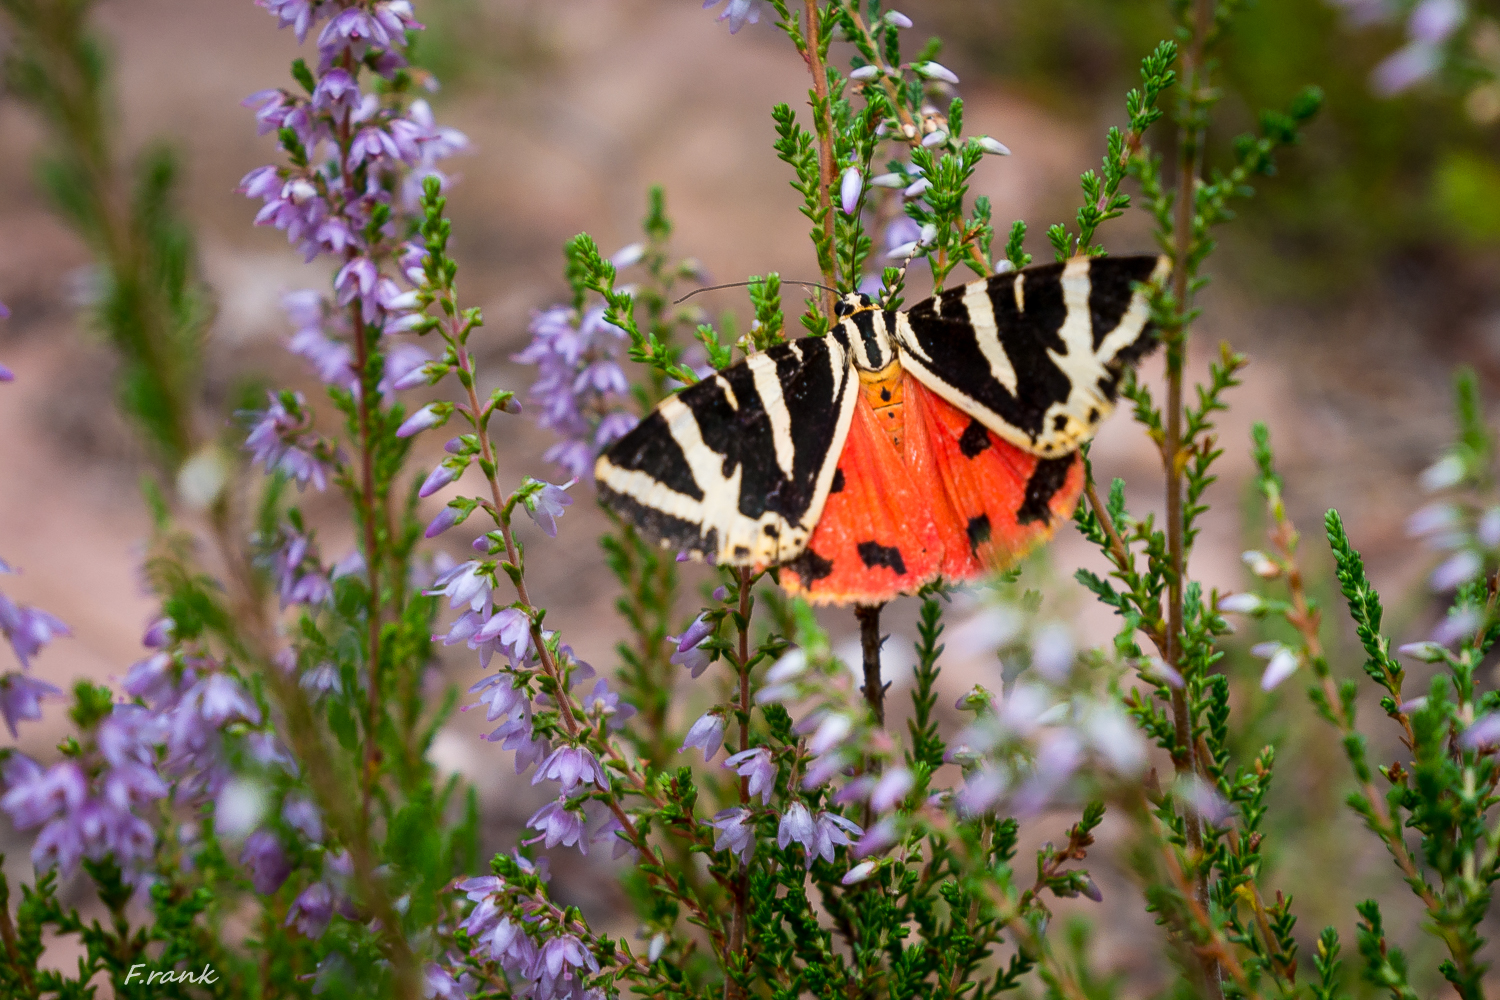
(304, 843)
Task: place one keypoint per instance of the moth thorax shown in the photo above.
(884, 391)
(869, 333)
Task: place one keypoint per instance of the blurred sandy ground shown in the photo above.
(601, 99)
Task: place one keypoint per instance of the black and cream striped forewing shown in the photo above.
(738, 466)
(1035, 355)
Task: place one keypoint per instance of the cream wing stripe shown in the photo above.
(987, 333)
(768, 385)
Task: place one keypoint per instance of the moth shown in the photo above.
(902, 446)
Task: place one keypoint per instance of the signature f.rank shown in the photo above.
(903, 446)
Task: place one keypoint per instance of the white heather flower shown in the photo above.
(993, 145)
(1261, 565)
(1242, 604)
(859, 872)
(935, 71)
(865, 73)
(1445, 472)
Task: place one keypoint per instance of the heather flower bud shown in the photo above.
(1282, 663)
(917, 188)
(850, 188)
(935, 71)
(446, 519)
(1261, 565)
(859, 872)
(934, 138)
(993, 146)
(1243, 604)
(889, 181)
(865, 73)
(439, 477)
(1427, 652)
(1445, 472)
(628, 255)
(429, 416)
(895, 17)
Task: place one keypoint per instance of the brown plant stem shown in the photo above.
(869, 645)
(367, 505)
(814, 58)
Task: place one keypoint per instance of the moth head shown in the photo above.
(852, 303)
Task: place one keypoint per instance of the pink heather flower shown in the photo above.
(570, 766)
(737, 12)
(759, 767)
(706, 734)
(734, 829)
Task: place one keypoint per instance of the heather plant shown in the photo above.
(257, 811)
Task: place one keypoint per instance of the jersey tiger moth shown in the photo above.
(903, 446)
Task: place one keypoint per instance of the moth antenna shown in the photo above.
(743, 284)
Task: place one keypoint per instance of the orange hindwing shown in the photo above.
(922, 490)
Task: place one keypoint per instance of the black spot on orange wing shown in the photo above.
(978, 531)
(1046, 479)
(876, 538)
(976, 438)
(978, 498)
(838, 481)
(873, 554)
(811, 567)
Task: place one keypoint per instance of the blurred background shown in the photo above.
(1356, 280)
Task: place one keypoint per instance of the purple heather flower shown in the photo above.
(301, 815)
(1056, 763)
(1404, 69)
(832, 731)
(518, 735)
(569, 766)
(759, 767)
(1052, 652)
(1484, 732)
(221, 699)
(601, 701)
(1457, 569)
(579, 384)
(707, 734)
(267, 861)
(1434, 21)
(897, 18)
(892, 787)
(28, 629)
(548, 504)
(555, 963)
(480, 887)
(499, 696)
(690, 652)
(560, 823)
(438, 984)
(735, 829)
(983, 787)
(312, 910)
(21, 698)
(466, 583)
(508, 629)
(6, 375)
(797, 825)
(296, 14)
(737, 12)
